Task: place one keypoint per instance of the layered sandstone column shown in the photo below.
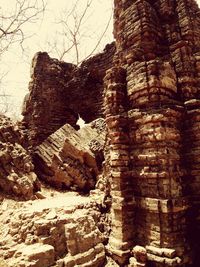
(121, 238)
(158, 46)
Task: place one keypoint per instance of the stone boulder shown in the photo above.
(64, 230)
(35, 255)
(9, 132)
(72, 159)
(16, 169)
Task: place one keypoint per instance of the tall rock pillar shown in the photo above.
(158, 49)
(121, 238)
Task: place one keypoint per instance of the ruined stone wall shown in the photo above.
(17, 175)
(70, 159)
(60, 91)
(61, 231)
(151, 107)
(45, 109)
(152, 118)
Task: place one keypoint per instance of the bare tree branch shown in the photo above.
(13, 30)
(75, 32)
(100, 38)
(12, 25)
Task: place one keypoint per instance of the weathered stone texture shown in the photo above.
(17, 171)
(58, 88)
(62, 231)
(152, 119)
(87, 85)
(150, 146)
(70, 158)
(17, 175)
(121, 239)
(45, 108)
(139, 258)
(9, 132)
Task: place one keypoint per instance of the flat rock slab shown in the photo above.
(68, 201)
(38, 255)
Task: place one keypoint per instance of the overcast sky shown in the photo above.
(18, 67)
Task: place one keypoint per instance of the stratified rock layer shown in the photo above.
(152, 147)
(60, 91)
(17, 175)
(70, 158)
(151, 108)
(60, 231)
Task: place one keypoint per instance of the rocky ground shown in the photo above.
(55, 229)
(54, 206)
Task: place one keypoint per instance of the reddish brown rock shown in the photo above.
(57, 89)
(17, 171)
(9, 132)
(59, 231)
(140, 257)
(153, 135)
(152, 146)
(17, 175)
(70, 158)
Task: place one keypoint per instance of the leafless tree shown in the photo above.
(14, 20)
(75, 31)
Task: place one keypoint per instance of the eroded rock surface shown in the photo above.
(17, 171)
(17, 175)
(9, 132)
(70, 158)
(64, 230)
(152, 114)
(151, 168)
(59, 91)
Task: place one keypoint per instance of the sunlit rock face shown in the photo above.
(152, 114)
(17, 175)
(142, 158)
(59, 91)
(72, 159)
(62, 231)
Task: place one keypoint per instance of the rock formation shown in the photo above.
(17, 175)
(59, 231)
(56, 90)
(151, 109)
(70, 158)
(139, 166)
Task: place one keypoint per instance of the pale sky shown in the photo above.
(18, 67)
